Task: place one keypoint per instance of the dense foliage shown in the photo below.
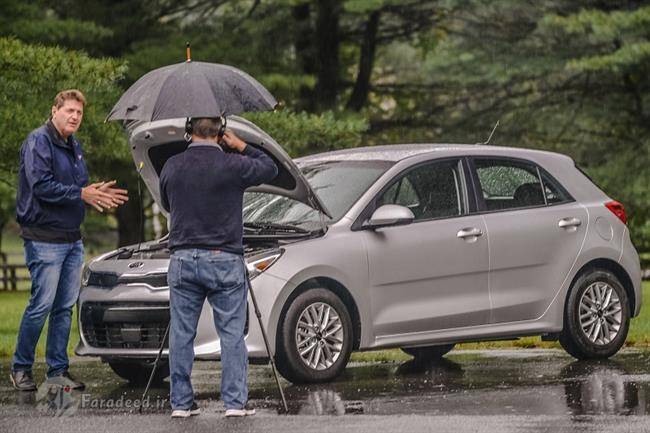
(571, 76)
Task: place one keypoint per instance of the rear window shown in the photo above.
(515, 184)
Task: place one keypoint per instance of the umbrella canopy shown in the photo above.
(192, 89)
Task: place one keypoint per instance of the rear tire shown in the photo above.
(428, 353)
(314, 338)
(596, 316)
(138, 372)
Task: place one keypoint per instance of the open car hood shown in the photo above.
(153, 143)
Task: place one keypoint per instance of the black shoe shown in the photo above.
(22, 380)
(65, 379)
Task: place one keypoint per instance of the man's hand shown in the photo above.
(233, 142)
(102, 195)
(119, 196)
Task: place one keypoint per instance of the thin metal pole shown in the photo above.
(266, 343)
(155, 365)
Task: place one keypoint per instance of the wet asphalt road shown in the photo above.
(486, 391)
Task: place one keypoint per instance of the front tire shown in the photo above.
(596, 316)
(138, 372)
(314, 338)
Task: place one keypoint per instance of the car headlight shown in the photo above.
(260, 263)
(85, 276)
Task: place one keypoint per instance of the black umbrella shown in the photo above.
(192, 89)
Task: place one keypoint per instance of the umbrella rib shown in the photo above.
(168, 69)
(214, 97)
(261, 90)
(160, 92)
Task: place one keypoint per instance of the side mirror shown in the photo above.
(390, 215)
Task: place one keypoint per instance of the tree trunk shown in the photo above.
(305, 53)
(327, 46)
(361, 89)
(129, 216)
(2, 228)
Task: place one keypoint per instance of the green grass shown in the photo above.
(639, 334)
(12, 305)
(12, 246)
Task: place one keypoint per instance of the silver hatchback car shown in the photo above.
(412, 246)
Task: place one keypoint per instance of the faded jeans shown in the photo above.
(55, 270)
(194, 275)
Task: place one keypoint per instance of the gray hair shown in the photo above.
(206, 127)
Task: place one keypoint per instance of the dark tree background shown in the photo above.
(566, 75)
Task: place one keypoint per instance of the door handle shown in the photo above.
(469, 232)
(569, 222)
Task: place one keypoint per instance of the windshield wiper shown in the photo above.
(275, 227)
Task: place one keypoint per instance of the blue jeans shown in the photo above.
(194, 275)
(55, 270)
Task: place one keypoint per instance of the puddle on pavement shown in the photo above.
(464, 383)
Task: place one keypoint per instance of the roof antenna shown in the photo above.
(496, 125)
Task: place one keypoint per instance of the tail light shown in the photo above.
(617, 209)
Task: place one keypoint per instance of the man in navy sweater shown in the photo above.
(50, 207)
(203, 188)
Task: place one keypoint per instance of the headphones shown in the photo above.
(189, 128)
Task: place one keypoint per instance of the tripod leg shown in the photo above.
(155, 366)
(266, 343)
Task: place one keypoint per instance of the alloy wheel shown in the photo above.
(319, 336)
(600, 312)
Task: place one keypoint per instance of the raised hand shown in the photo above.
(96, 198)
(233, 142)
(102, 195)
(119, 196)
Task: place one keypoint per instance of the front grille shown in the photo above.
(154, 280)
(110, 279)
(124, 325)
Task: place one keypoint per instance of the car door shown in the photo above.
(431, 274)
(536, 230)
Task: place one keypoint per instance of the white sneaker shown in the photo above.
(245, 411)
(186, 413)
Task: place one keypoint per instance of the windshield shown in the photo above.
(337, 183)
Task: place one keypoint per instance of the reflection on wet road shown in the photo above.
(473, 384)
(519, 382)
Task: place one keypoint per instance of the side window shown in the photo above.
(431, 191)
(509, 185)
(554, 192)
(401, 193)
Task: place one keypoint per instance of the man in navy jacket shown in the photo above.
(203, 189)
(50, 207)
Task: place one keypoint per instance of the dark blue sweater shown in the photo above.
(203, 189)
(51, 174)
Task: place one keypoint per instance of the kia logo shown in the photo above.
(134, 265)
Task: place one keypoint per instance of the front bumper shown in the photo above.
(130, 321)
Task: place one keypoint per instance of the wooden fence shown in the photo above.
(12, 273)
